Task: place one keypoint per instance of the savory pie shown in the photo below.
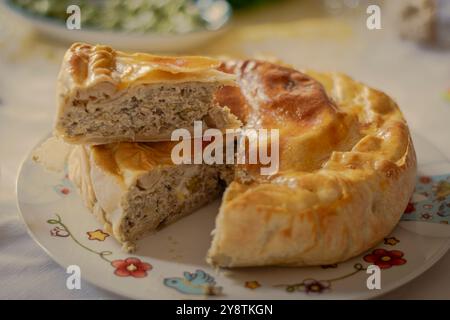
(346, 160)
(347, 170)
(108, 96)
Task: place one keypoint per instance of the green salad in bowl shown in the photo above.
(139, 25)
(143, 16)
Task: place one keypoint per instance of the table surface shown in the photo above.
(416, 77)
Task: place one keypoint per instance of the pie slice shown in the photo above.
(133, 188)
(109, 96)
(347, 170)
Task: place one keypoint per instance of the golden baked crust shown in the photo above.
(118, 158)
(89, 65)
(347, 170)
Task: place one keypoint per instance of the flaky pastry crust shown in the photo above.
(347, 170)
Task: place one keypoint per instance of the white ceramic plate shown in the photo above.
(154, 42)
(171, 264)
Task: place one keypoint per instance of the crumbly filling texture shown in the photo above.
(146, 110)
(178, 191)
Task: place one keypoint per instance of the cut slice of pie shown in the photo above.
(109, 96)
(133, 188)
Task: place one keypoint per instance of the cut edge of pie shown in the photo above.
(133, 189)
(106, 95)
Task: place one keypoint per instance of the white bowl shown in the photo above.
(154, 42)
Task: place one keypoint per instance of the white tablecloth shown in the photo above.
(416, 77)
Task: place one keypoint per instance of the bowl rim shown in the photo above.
(49, 21)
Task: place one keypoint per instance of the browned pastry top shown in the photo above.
(277, 94)
(90, 64)
(272, 96)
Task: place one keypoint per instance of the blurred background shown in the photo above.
(401, 47)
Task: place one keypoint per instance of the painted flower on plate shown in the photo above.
(131, 267)
(442, 190)
(410, 208)
(59, 232)
(62, 190)
(425, 179)
(315, 286)
(98, 235)
(385, 258)
(426, 216)
(252, 284)
(391, 241)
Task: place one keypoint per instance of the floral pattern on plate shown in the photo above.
(103, 263)
(129, 267)
(430, 201)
